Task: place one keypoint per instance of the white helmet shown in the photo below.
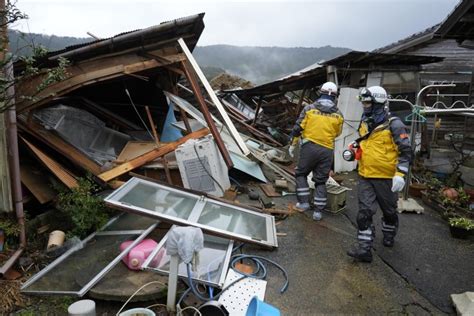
(329, 88)
(375, 94)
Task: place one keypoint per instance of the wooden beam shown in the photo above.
(58, 144)
(300, 102)
(85, 73)
(207, 116)
(259, 104)
(59, 171)
(227, 121)
(149, 156)
(157, 141)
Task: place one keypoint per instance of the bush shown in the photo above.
(462, 222)
(86, 211)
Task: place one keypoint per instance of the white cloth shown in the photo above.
(397, 184)
(184, 241)
(291, 151)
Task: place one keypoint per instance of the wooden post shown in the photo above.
(157, 141)
(300, 102)
(207, 116)
(174, 89)
(257, 109)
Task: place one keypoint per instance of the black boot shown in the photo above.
(363, 251)
(388, 241)
(389, 232)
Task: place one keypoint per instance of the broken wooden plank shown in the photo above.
(85, 73)
(60, 145)
(135, 148)
(37, 183)
(59, 171)
(149, 156)
(207, 115)
(233, 131)
(157, 141)
(269, 190)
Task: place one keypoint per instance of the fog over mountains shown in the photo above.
(256, 64)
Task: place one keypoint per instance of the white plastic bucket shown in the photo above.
(138, 312)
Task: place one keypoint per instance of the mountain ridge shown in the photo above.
(258, 64)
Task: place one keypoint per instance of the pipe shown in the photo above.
(13, 158)
(12, 138)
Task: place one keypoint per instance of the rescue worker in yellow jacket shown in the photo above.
(384, 154)
(318, 125)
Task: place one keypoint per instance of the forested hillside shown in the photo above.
(262, 64)
(256, 64)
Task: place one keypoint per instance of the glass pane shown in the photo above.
(234, 220)
(154, 199)
(82, 266)
(129, 221)
(210, 264)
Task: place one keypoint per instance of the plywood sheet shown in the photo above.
(133, 149)
(37, 182)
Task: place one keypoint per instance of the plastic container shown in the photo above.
(138, 312)
(82, 308)
(56, 239)
(137, 256)
(260, 308)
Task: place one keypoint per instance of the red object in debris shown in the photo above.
(137, 256)
(450, 193)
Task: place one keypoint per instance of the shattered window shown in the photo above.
(165, 202)
(225, 218)
(179, 206)
(210, 267)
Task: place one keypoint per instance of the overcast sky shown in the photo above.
(356, 24)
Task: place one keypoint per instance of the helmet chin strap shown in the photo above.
(375, 115)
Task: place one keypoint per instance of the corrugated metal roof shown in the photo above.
(414, 39)
(357, 59)
(189, 28)
(310, 76)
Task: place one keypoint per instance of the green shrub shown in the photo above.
(462, 222)
(86, 211)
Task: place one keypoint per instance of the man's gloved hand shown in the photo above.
(397, 183)
(291, 151)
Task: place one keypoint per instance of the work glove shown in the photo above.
(397, 183)
(291, 151)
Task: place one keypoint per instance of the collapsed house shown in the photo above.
(133, 102)
(117, 110)
(124, 107)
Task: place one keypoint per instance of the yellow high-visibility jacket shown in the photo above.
(386, 151)
(320, 123)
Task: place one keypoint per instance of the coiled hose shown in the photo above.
(260, 273)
